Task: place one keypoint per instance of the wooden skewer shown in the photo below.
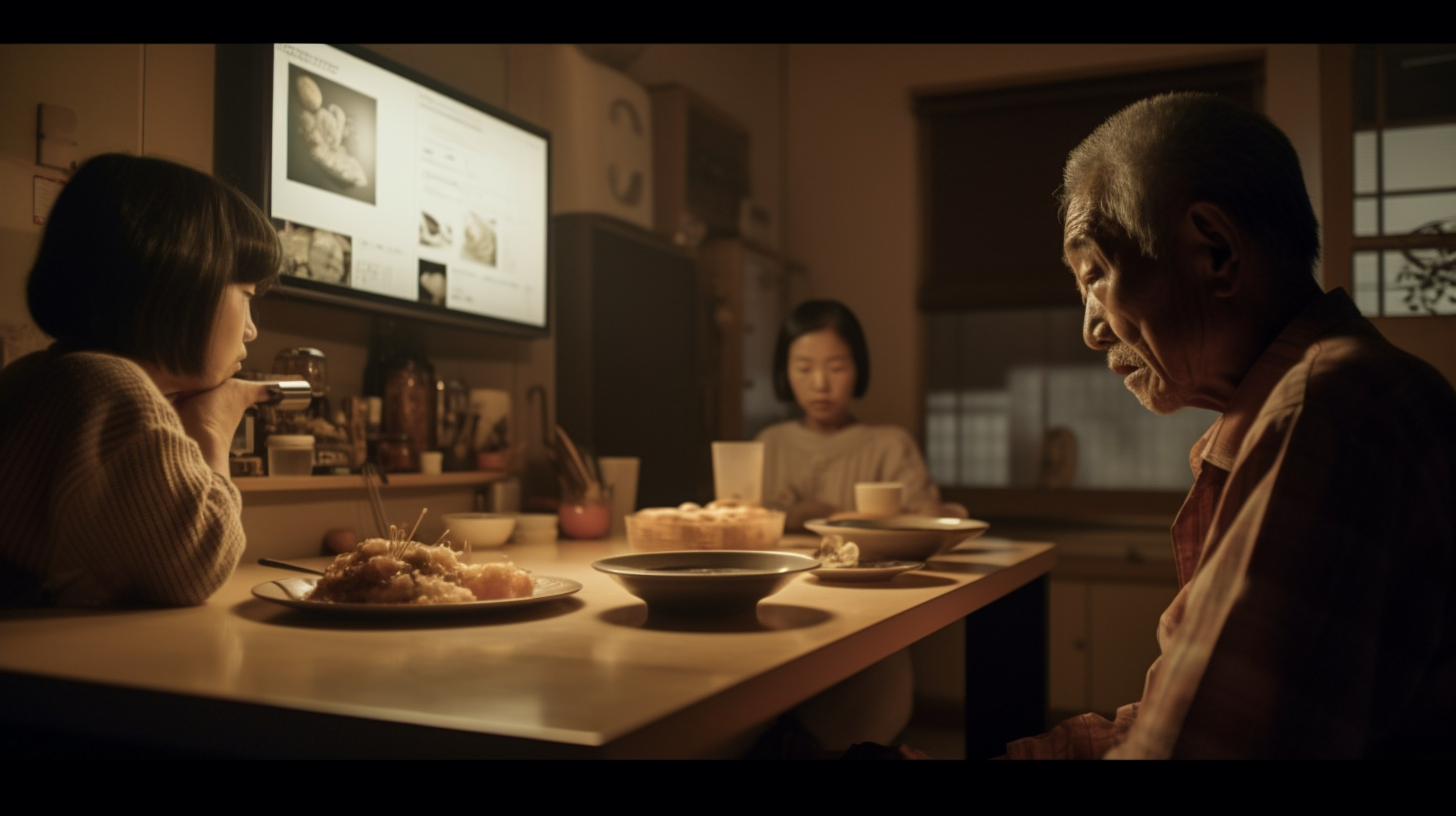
(411, 536)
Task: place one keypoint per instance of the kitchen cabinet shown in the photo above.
(1104, 599)
(750, 291)
(629, 366)
(1102, 637)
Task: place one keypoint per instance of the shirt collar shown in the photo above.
(1220, 444)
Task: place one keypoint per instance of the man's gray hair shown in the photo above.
(1141, 168)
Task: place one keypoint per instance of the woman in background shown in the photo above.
(811, 464)
(810, 467)
(115, 439)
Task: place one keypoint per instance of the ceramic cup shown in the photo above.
(878, 498)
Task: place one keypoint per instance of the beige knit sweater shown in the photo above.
(104, 499)
(800, 465)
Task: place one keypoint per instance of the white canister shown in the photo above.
(290, 455)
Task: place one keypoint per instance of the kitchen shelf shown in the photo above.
(355, 481)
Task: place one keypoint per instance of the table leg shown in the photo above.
(1006, 671)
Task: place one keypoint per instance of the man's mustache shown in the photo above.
(1121, 354)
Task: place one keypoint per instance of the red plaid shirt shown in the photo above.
(1317, 558)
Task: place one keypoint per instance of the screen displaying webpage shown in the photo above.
(385, 186)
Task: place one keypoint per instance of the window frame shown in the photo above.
(1338, 170)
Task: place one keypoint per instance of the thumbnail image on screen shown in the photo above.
(332, 135)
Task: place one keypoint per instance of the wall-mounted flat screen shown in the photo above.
(390, 191)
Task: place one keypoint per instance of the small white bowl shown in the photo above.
(480, 529)
(534, 528)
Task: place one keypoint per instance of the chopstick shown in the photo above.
(269, 562)
(577, 465)
(376, 505)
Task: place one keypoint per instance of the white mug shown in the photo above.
(878, 498)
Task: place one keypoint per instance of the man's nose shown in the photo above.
(1095, 331)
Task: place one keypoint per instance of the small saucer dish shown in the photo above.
(867, 572)
(705, 582)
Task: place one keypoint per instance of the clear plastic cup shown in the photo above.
(738, 472)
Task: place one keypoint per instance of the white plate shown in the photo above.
(867, 572)
(290, 591)
(900, 538)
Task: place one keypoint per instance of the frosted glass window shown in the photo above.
(1365, 268)
(1367, 216)
(1403, 298)
(1121, 444)
(1366, 180)
(1419, 158)
(940, 437)
(985, 434)
(1385, 285)
(1404, 213)
(1001, 380)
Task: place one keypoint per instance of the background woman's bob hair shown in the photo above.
(809, 317)
(137, 254)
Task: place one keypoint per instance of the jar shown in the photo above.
(409, 406)
(396, 455)
(290, 455)
(586, 517)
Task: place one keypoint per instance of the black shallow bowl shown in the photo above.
(705, 582)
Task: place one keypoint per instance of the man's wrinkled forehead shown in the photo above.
(1083, 228)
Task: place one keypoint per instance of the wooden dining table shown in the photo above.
(589, 675)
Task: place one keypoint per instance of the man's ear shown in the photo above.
(1216, 244)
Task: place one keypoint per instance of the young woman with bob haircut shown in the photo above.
(811, 464)
(115, 439)
(810, 467)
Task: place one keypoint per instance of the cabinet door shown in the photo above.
(626, 354)
(1123, 629)
(750, 292)
(1101, 640)
(1067, 646)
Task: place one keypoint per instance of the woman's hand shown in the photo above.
(211, 417)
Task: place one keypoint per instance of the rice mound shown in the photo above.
(422, 574)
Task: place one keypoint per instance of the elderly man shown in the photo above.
(1316, 616)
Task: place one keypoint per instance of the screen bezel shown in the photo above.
(243, 125)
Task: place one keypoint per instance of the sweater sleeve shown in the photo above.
(139, 516)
